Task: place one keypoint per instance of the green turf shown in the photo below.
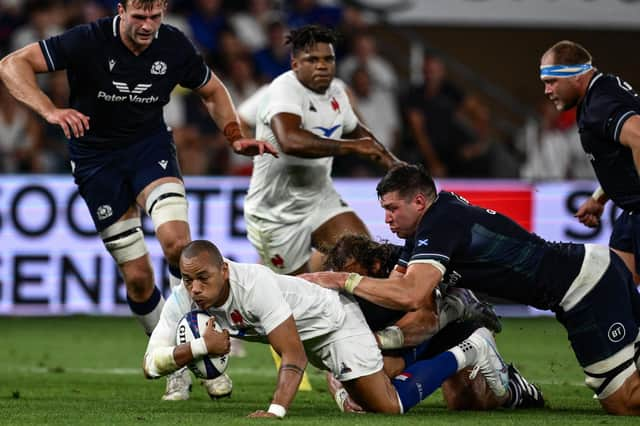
(86, 370)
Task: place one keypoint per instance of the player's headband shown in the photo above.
(564, 71)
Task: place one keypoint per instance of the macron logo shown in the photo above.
(327, 131)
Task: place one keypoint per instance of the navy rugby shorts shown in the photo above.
(607, 318)
(110, 179)
(626, 235)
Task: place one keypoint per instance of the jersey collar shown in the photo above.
(593, 80)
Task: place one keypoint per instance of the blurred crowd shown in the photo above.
(436, 122)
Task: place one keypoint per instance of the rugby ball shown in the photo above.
(190, 328)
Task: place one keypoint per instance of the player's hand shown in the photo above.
(373, 150)
(218, 342)
(251, 147)
(71, 121)
(589, 213)
(262, 414)
(326, 279)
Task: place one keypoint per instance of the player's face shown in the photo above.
(138, 24)
(315, 67)
(400, 214)
(207, 284)
(563, 92)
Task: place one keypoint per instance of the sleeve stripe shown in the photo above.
(206, 78)
(439, 266)
(422, 256)
(625, 116)
(43, 46)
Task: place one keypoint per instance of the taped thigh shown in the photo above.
(125, 240)
(167, 202)
(607, 376)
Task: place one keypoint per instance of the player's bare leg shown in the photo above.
(629, 259)
(329, 232)
(374, 393)
(626, 400)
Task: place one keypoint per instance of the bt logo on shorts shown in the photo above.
(616, 332)
(104, 211)
(128, 94)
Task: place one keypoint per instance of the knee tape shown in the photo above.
(125, 240)
(167, 202)
(606, 376)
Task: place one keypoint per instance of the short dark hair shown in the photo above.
(305, 37)
(407, 180)
(365, 251)
(567, 52)
(144, 4)
(196, 247)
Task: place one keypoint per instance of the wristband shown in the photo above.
(597, 194)
(352, 281)
(390, 338)
(232, 131)
(278, 410)
(198, 348)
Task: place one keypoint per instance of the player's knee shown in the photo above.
(124, 240)
(173, 248)
(167, 202)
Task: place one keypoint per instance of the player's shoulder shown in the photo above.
(449, 207)
(171, 34)
(246, 275)
(606, 87)
(92, 32)
(287, 79)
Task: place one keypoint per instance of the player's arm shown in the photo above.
(630, 137)
(18, 72)
(163, 357)
(294, 140)
(378, 153)
(286, 342)
(410, 291)
(218, 103)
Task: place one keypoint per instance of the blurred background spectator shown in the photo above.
(556, 152)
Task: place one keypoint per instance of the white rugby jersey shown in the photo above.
(285, 189)
(259, 301)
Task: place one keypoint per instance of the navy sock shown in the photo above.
(421, 379)
(411, 355)
(143, 308)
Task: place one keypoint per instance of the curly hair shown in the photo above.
(377, 258)
(305, 37)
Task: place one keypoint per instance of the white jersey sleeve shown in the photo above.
(158, 358)
(248, 110)
(284, 96)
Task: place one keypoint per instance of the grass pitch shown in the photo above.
(87, 370)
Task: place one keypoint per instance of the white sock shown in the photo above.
(465, 354)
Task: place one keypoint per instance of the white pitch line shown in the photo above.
(127, 371)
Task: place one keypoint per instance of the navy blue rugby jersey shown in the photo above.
(486, 251)
(607, 105)
(123, 94)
